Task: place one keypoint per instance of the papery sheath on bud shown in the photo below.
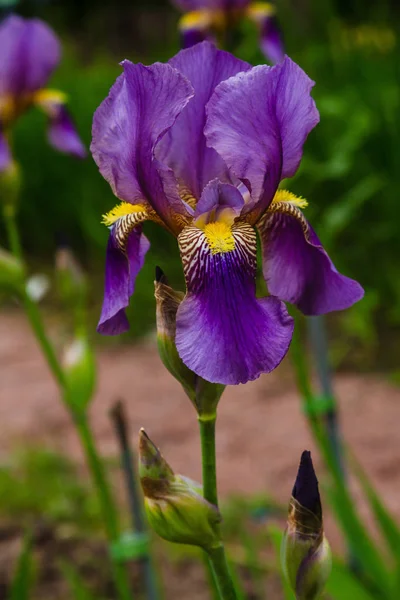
(204, 395)
(306, 553)
(80, 374)
(174, 504)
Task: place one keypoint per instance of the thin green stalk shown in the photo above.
(31, 308)
(107, 505)
(216, 555)
(95, 465)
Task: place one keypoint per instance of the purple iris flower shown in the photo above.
(29, 53)
(206, 19)
(200, 146)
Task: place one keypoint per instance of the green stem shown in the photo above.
(107, 505)
(221, 570)
(216, 555)
(108, 509)
(31, 308)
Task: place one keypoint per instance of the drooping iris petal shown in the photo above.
(121, 272)
(264, 15)
(258, 122)
(5, 154)
(142, 105)
(271, 40)
(61, 133)
(195, 27)
(29, 53)
(184, 147)
(298, 270)
(223, 332)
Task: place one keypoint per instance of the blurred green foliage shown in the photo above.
(349, 173)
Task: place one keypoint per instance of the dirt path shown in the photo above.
(261, 430)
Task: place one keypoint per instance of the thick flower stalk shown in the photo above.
(212, 19)
(29, 53)
(200, 146)
(306, 553)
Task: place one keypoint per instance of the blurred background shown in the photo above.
(350, 177)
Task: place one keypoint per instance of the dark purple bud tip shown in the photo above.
(160, 276)
(305, 489)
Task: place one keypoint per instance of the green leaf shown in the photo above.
(343, 585)
(23, 577)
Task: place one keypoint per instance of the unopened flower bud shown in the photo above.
(10, 186)
(80, 374)
(174, 504)
(306, 553)
(11, 272)
(203, 394)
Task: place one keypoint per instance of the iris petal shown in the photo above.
(142, 105)
(121, 272)
(296, 267)
(61, 133)
(258, 122)
(29, 53)
(5, 154)
(224, 333)
(184, 148)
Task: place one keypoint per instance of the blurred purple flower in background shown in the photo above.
(205, 19)
(200, 146)
(29, 53)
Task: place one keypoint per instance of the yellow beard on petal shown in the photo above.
(121, 210)
(219, 237)
(286, 196)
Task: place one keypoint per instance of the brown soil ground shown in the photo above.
(261, 428)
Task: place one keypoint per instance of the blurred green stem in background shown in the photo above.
(30, 306)
(108, 507)
(216, 555)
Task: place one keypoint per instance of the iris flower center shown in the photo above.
(219, 237)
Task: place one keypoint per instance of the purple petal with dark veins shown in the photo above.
(258, 122)
(299, 271)
(184, 147)
(5, 154)
(120, 277)
(141, 107)
(223, 332)
(29, 53)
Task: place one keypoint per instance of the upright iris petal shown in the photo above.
(29, 54)
(142, 106)
(258, 122)
(184, 147)
(224, 333)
